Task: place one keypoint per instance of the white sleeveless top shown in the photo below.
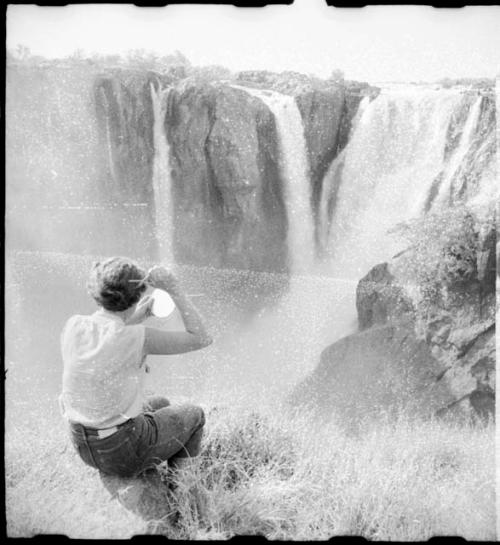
(104, 370)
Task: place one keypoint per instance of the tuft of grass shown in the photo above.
(277, 474)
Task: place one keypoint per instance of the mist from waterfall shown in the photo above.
(162, 181)
(239, 188)
(387, 173)
(398, 147)
(295, 171)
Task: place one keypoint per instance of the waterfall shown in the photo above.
(471, 175)
(386, 173)
(452, 169)
(331, 184)
(295, 172)
(162, 176)
(109, 145)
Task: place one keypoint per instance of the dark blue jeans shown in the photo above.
(162, 432)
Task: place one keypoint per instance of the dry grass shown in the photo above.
(272, 474)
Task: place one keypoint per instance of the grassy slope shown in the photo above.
(271, 474)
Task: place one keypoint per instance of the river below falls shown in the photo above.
(268, 330)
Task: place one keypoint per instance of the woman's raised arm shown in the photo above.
(158, 341)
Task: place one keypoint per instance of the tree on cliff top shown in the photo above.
(135, 59)
(22, 54)
(140, 58)
(336, 75)
(445, 250)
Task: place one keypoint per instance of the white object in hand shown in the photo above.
(163, 305)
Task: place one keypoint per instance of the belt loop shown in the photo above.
(91, 453)
(85, 436)
(87, 446)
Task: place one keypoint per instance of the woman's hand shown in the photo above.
(158, 341)
(161, 278)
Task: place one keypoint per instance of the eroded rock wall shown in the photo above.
(56, 170)
(125, 117)
(327, 108)
(82, 143)
(433, 359)
(228, 191)
(226, 180)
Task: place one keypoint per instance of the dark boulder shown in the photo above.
(379, 299)
(435, 357)
(381, 370)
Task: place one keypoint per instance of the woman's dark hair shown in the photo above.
(117, 283)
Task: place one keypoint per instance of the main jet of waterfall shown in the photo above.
(162, 178)
(295, 172)
(331, 183)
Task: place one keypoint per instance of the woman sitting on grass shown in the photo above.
(113, 428)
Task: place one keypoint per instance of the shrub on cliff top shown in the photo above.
(443, 249)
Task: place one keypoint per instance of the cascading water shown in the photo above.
(295, 171)
(445, 190)
(386, 173)
(162, 176)
(111, 161)
(331, 184)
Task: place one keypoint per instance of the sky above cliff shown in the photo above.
(377, 43)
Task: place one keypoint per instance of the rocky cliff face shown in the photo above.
(322, 138)
(57, 169)
(227, 188)
(125, 118)
(228, 191)
(327, 108)
(434, 359)
(125, 121)
(379, 299)
(226, 181)
(460, 330)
